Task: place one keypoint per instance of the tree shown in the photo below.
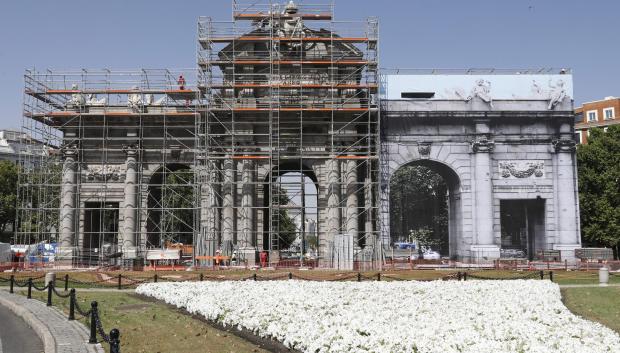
(598, 165)
(287, 230)
(8, 193)
(418, 203)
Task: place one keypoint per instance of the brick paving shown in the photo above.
(68, 336)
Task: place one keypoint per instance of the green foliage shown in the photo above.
(287, 231)
(178, 200)
(425, 238)
(418, 203)
(8, 193)
(598, 164)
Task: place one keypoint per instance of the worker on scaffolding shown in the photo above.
(181, 82)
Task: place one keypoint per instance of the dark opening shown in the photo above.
(419, 95)
(522, 227)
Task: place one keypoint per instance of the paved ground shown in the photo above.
(16, 336)
(56, 332)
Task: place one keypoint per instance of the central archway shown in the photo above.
(297, 209)
(425, 206)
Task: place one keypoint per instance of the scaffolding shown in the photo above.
(290, 99)
(270, 143)
(118, 176)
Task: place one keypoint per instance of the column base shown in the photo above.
(247, 257)
(484, 252)
(567, 251)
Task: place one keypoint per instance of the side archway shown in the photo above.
(425, 203)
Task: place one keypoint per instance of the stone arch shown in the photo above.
(454, 180)
(289, 166)
(171, 205)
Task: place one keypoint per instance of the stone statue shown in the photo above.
(482, 90)
(77, 98)
(134, 100)
(556, 94)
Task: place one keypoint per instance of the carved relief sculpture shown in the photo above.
(522, 169)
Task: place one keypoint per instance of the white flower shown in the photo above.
(438, 316)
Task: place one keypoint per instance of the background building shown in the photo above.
(596, 114)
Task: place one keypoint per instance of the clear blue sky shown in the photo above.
(68, 34)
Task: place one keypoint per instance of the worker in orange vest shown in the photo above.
(181, 82)
(263, 259)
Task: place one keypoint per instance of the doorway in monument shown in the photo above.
(171, 207)
(295, 216)
(100, 232)
(425, 210)
(522, 227)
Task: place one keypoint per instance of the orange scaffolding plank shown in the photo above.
(250, 157)
(289, 39)
(114, 91)
(260, 16)
(265, 85)
(287, 62)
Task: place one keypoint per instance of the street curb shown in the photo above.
(49, 343)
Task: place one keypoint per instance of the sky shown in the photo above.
(514, 34)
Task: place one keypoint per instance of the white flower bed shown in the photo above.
(451, 316)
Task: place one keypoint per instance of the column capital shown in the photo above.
(70, 151)
(564, 145)
(131, 150)
(482, 145)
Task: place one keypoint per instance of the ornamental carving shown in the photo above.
(522, 169)
(564, 145)
(107, 173)
(424, 149)
(482, 145)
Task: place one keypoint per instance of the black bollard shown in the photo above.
(115, 341)
(72, 304)
(155, 278)
(359, 277)
(29, 288)
(551, 276)
(464, 276)
(458, 275)
(93, 323)
(378, 276)
(290, 275)
(254, 276)
(50, 287)
(120, 276)
(66, 282)
(542, 274)
(202, 277)
(11, 284)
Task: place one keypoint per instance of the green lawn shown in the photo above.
(151, 327)
(600, 304)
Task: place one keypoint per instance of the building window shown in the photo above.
(592, 115)
(608, 113)
(578, 137)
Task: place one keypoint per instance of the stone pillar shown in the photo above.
(567, 229)
(482, 147)
(333, 198)
(228, 202)
(127, 240)
(351, 180)
(246, 214)
(67, 199)
(206, 243)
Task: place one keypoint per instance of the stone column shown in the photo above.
(352, 210)
(206, 243)
(228, 202)
(482, 147)
(67, 199)
(333, 198)
(246, 214)
(127, 241)
(567, 229)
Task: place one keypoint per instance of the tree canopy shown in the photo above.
(8, 193)
(598, 163)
